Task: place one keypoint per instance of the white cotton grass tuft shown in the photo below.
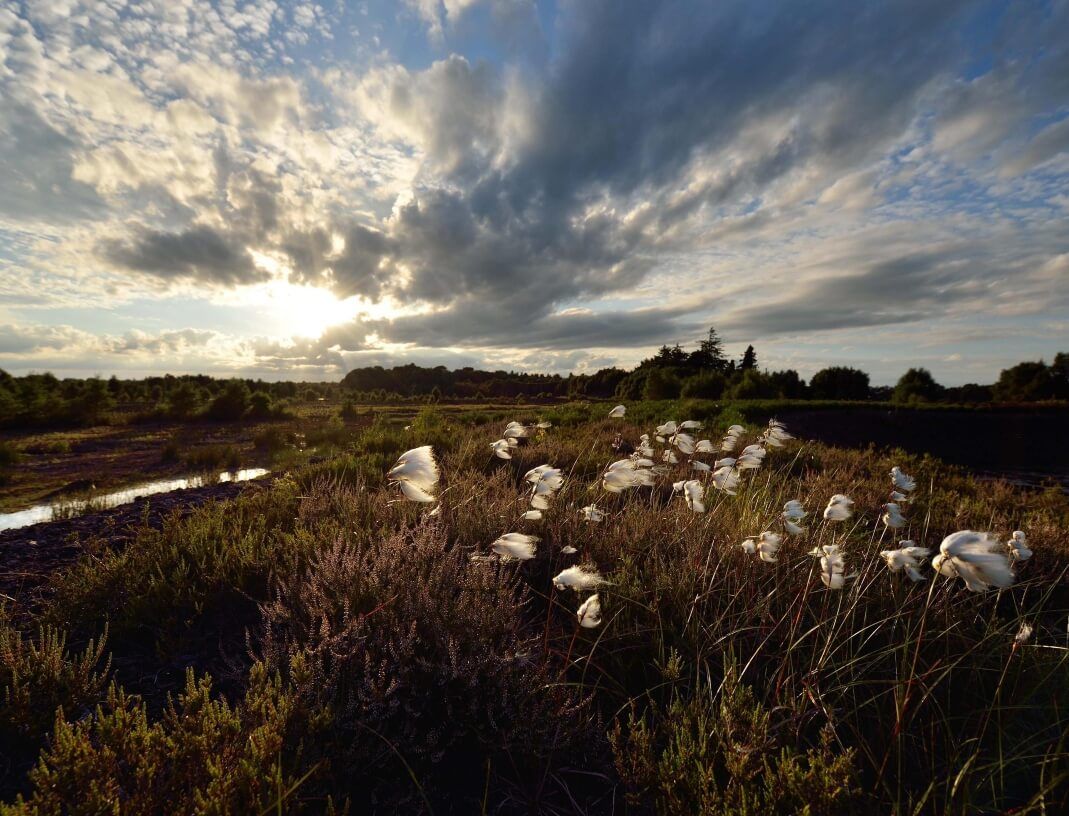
(516, 546)
(704, 446)
(625, 474)
(517, 430)
(694, 493)
(751, 458)
(977, 558)
(731, 438)
(892, 516)
(832, 565)
(618, 412)
(726, 479)
(670, 457)
(768, 545)
(591, 513)
(580, 578)
(644, 448)
(589, 612)
(665, 430)
(902, 482)
(568, 550)
(545, 480)
(906, 558)
(533, 515)
(416, 473)
(1018, 545)
(503, 448)
(793, 512)
(776, 434)
(701, 467)
(840, 508)
(684, 443)
(749, 546)
(1024, 634)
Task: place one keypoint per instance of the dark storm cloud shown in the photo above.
(199, 253)
(653, 120)
(475, 325)
(640, 92)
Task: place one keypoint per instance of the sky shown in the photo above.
(291, 190)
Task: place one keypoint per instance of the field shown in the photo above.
(315, 643)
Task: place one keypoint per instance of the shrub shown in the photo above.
(917, 385)
(202, 756)
(705, 386)
(839, 383)
(214, 457)
(423, 659)
(726, 757)
(37, 677)
(232, 403)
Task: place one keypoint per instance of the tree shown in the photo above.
(787, 384)
(708, 385)
(1059, 372)
(752, 385)
(749, 359)
(917, 385)
(183, 400)
(661, 385)
(232, 402)
(710, 353)
(94, 400)
(1025, 382)
(840, 383)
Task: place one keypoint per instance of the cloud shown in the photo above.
(37, 164)
(657, 167)
(199, 253)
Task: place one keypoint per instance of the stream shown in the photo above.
(105, 501)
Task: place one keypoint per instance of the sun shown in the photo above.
(305, 311)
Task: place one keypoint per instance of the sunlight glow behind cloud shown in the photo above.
(510, 183)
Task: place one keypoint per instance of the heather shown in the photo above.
(320, 644)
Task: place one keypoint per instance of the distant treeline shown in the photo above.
(37, 400)
(707, 373)
(43, 400)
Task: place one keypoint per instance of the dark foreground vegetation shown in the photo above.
(319, 646)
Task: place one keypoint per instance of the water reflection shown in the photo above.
(47, 512)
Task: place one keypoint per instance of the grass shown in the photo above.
(319, 644)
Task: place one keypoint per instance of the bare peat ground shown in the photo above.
(30, 555)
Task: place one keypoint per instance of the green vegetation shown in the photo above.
(318, 645)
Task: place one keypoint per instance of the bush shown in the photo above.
(201, 756)
(261, 405)
(705, 386)
(214, 457)
(39, 676)
(917, 385)
(839, 383)
(726, 757)
(232, 403)
(661, 385)
(9, 454)
(423, 658)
